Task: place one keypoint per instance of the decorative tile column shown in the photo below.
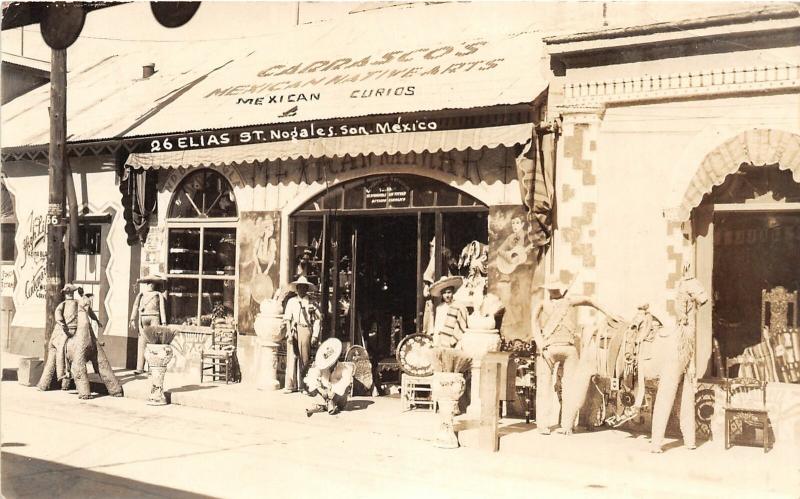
(576, 199)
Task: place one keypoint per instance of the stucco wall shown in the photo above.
(98, 194)
(646, 157)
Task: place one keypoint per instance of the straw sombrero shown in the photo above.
(454, 282)
(328, 353)
(303, 281)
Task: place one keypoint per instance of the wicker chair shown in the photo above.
(220, 361)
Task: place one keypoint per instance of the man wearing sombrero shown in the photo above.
(556, 334)
(149, 309)
(303, 325)
(328, 380)
(450, 317)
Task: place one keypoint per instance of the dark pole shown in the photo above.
(55, 207)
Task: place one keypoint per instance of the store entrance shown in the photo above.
(369, 244)
(383, 288)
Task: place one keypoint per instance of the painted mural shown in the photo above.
(512, 260)
(259, 234)
(29, 293)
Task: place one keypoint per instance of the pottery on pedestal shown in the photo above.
(446, 389)
(477, 343)
(268, 327)
(157, 357)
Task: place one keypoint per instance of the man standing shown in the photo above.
(450, 318)
(556, 333)
(303, 325)
(149, 309)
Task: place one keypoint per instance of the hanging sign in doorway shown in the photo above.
(387, 193)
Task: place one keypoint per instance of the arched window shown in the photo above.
(201, 248)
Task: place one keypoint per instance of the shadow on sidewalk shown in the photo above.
(358, 405)
(191, 388)
(31, 477)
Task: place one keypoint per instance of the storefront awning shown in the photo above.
(390, 143)
(286, 100)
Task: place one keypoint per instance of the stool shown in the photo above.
(416, 393)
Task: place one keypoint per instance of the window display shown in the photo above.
(201, 257)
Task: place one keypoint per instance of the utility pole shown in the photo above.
(56, 171)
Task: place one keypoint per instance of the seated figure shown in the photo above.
(328, 381)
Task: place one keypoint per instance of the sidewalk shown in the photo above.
(775, 472)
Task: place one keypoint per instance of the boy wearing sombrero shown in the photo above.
(149, 309)
(450, 317)
(555, 332)
(303, 325)
(328, 380)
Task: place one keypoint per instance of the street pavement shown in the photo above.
(54, 445)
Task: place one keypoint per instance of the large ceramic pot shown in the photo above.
(157, 357)
(268, 324)
(446, 389)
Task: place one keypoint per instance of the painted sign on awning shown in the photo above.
(336, 71)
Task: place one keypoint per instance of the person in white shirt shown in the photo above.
(328, 380)
(303, 321)
(450, 317)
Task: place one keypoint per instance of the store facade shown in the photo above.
(366, 172)
(678, 150)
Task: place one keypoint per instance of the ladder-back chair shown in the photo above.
(220, 361)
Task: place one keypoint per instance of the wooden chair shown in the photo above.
(221, 358)
(746, 405)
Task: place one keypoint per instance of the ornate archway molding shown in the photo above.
(757, 147)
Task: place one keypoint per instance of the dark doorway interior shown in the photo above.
(385, 281)
(752, 252)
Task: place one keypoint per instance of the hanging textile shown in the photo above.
(140, 201)
(535, 173)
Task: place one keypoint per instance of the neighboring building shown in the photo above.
(681, 145)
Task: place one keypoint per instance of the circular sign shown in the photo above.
(173, 14)
(415, 355)
(61, 24)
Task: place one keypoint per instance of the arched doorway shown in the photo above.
(201, 249)
(745, 209)
(370, 242)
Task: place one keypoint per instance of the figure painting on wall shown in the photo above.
(511, 264)
(258, 266)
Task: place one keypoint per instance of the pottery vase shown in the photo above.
(268, 326)
(446, 390)
(157, 357)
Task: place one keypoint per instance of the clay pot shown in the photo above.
(268, 324)
(480, 322)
